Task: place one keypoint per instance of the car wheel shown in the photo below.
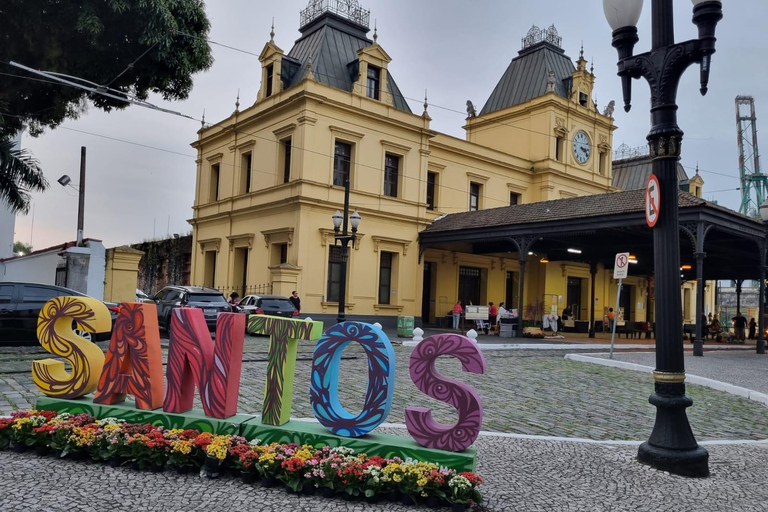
(84, 334)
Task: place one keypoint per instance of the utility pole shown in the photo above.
(81, 200)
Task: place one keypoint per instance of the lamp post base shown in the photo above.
(672, 446)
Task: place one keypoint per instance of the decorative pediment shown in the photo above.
(209, 244)
(560, 129)
(396, 243)
(244, 240)
(278, 236)
(374, 53)
(269, 51)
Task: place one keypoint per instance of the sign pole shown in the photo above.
(615, 317)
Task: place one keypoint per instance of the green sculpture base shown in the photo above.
(384, 445)
(250, 427)
(127, 411)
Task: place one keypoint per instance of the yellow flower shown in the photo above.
(421, 482)
(183, 447)
(397, 478)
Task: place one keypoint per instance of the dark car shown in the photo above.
(273, 305)
(20, 305)
(210, 300)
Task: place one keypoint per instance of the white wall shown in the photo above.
(97, 270)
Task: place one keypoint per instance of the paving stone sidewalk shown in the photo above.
(524, 392)
(520, 475)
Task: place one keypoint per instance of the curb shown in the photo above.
(749, 394)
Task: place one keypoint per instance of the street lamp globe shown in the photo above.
(355, 219)
(337, 220)
(764, 210)
(623, 13)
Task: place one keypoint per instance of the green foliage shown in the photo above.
(21, 247)
(134, 46)
(20, 173)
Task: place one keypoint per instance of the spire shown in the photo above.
(581, 53)
(426, 102)
(375, 31)
(272, 33)
(237, 102)
(592, 66)
(202, 121)
(310, 75)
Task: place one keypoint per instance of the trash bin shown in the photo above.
(405, 326)
(507, 328)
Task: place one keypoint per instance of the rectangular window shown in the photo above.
(287, 161)
(431, 184)
(245, 169)
(335, 268)
(601, 163)
(374, 77)
(559, 149)
(474, 197)
(283, 253)
(341, 163)
(214, 193)
(391, 171)
(270, 78)
(514, 199)
(385, 277)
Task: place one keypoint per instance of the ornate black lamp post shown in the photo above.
(761, 310)
(340, 222)
(671, 446)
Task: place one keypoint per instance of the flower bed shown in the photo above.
(332, 471)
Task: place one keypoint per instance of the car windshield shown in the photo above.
(276, 303)
(206, 297)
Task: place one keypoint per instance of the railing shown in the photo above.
(537, 35)
(242, 291)
(624, 152)
(349, 9)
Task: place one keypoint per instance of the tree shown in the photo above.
(133, 46)
(21, 248)
(20, 173)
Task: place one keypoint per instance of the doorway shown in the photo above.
(625, 301)
(428, 293)
(512, 289)
(574, 296)
(469, 285)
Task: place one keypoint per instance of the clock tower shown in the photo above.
(543, 110)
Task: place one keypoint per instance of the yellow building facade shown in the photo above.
(270, 177)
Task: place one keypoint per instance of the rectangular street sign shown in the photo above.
(621, 265)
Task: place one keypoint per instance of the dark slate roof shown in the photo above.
(632, 173)
(597, 205)
(526, 77)
(332, 42)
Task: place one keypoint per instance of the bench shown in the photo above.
(634, 328)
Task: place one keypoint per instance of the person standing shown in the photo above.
(704, 325)
(295, 300)
(611, 316)
(752, 328)
(493, 312)
(456, 315)
(233, 298)
(739, 326)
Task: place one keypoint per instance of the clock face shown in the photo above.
(581, 147)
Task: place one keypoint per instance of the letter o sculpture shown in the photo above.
(324, 386)
(418, 420)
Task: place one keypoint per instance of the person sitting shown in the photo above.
(715, 329)
(567, 313)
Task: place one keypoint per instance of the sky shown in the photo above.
(141, 170)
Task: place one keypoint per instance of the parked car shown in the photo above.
(210, 300)
(20, 305)
(142, 297)
(273, 305)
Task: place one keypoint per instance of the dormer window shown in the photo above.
(270, 77)
(374, 77)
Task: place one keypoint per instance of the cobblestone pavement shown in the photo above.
(742, 368)
(524, 392)
(520, 475)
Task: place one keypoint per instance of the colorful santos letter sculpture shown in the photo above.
(194, 360)
(324, 384)
(418, 420)
(134, 360)
(54, 331)
(284, 335)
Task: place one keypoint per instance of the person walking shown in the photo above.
(739, 326)
(611, 316)
(295, 300)
(456, 315)
(752, 328)
(493, 312)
